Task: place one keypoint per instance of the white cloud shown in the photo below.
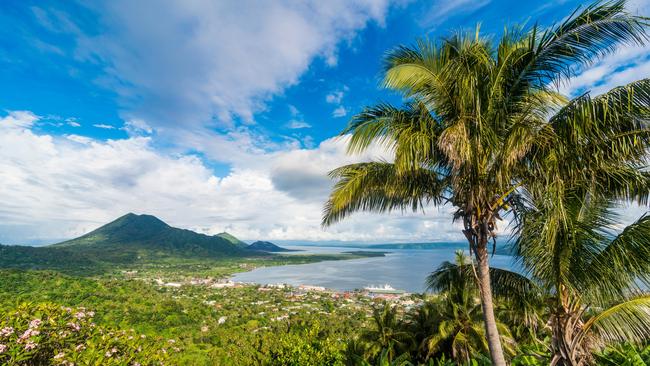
(104, 126)
(72, 122)
(63, 187)
(341, 111)
(180, 63)
(18, 120)
(441, 10)
(334, 97)
(137, 126)
(79, 139)
(627, 64)
(295, 124)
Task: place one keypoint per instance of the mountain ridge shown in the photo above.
(148, 235)
(267, 246)
(127, 240)
(231, 238)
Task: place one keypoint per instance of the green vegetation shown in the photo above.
(208, 325)
(266, 246)
(143, 242)
(132, 238)
(51, 334)
(232, 239)
(590, 276)
(485, 130)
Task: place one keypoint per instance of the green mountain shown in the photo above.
(132, 237)
(267, 246)
(232, 239)
(129, 239)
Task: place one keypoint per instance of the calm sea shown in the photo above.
(404, 269)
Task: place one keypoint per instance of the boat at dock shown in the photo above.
(385, 289)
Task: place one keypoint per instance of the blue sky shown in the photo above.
(216, 115)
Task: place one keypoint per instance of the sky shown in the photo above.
(219, 115)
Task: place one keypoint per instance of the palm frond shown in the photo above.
(623, 262)
(580, 40)
(602, 142)
(459, 277)
(628, 321)
(379, 187)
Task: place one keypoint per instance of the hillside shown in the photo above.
(132, 237)
(129, 239)
(232, 239)
(266, 246)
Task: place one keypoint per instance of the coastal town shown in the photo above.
(283, 300)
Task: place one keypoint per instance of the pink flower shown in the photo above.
(28, 333)
(80, 315)
(3, 348)
(74, 326)
(30, 345)
(35, 323)
(59, 355)
(108, 354)
(6, 331)
(79, 347)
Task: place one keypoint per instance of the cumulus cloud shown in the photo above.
(624, 66)
(104, 126)
(334, 97)
(295, 124)
(341, 111)
(61, 187)
(189, 63)
(18, 120)
(627, 64)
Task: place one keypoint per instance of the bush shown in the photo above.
(48, 334)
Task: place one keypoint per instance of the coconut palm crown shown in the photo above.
(483, 123)
(592, 272)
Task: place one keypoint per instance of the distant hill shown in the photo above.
(25, 257)
(267, 246)
(129, 239)
(132, 237)
(232, 239)
(501, 248)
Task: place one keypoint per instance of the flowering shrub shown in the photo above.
(47, 334)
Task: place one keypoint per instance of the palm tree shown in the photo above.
(478, 130)
(453, 325)
(592, 274)
(387, 335)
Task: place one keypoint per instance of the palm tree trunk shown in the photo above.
(494, 341)
(477, 232)
(567, 347)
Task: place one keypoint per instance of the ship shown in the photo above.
(385, 289)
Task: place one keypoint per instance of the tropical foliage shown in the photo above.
(49, 334)
(484, 127)
(591, 275)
